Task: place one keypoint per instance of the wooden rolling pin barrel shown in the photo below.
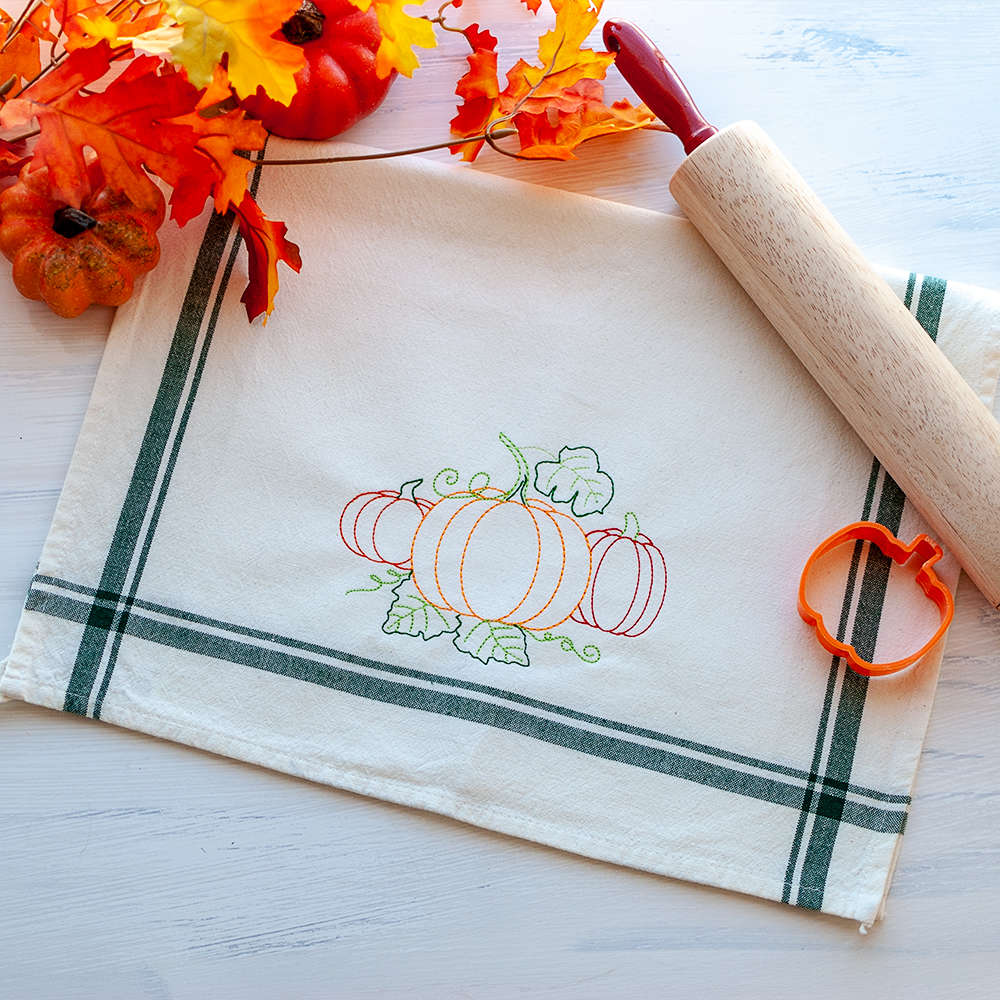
(859, 342)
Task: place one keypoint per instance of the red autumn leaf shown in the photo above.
(266, 245)
(128, 125)
(480, 38)
(221, 131)
(532, 5)
(479, 90)
(554, 133)
(13, 156)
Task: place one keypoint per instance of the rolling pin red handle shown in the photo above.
(656, 82)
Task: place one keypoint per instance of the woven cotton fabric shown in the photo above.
(245, 556)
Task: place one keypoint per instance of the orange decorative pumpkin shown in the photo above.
(629, 582)
(380, 526)
(338, 85)
(501, 558)
(75, 257)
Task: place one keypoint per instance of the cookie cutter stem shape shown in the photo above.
(923, 548)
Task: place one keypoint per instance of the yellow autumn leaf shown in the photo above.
(242, 29)
(560, 51)
(86, 23)
(400, 33)
(99, 27)
(159, 41)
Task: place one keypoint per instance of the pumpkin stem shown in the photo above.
(69, 222)
(631, 529)
(305, 25)
(410, 488)
(524, 472)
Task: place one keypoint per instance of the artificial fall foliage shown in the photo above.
(152, 87)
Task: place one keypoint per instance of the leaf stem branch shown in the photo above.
(523, 470)
(24, 136)
(491, 129)
(269, 162)
(440, 21)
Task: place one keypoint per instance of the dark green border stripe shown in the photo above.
(439, 702)
(147, 463)
(831, 684)
(930, 303)
(850, 707)
(864, 635)
(167, 476)
(835, 663)
(512, 696)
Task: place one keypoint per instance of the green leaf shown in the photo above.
(410, 614)
(576, 478)
(491, 641)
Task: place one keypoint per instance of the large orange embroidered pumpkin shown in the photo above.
(380, 526)
(487, 555)
(628, 584)
(75, 257)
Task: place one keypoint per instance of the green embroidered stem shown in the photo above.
(450, 479)
(523, 469)
(409, 490)
(589, 653)
(631, 529)
(397, 577)
(472, 488)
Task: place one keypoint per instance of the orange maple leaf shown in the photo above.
(554, 133)
(220, 131)
(555, 105)
(20, 56)
(128, 125)
(266, 245)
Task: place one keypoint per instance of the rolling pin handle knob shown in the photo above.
(656, 82)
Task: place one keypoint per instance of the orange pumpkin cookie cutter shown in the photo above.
(923, 548)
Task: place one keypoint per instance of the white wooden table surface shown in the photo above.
(135, 868)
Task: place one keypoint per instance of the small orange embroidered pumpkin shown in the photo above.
(75, 257)
(491, 556)
(380, 526)
(628, 584)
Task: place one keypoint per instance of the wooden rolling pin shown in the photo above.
(886, 376)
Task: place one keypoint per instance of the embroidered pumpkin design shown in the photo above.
(501, 558)
(75, 257)
(496, 573)
(628, 584)
(380, 526)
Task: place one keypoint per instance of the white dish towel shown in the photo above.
(501, 515)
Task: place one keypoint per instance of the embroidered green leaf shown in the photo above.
(576, 478)
(410, 614)
(491, 641)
